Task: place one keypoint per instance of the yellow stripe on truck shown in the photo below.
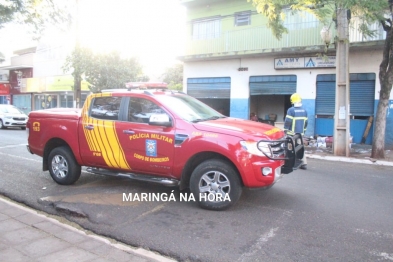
(103, 138)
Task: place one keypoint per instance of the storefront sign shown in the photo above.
(52, 84)
(5, 89)
(305, 62)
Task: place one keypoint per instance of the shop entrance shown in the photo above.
(23, 102)
(270, 97)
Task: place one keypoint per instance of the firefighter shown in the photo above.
(296, 121)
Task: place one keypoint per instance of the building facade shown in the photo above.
(37, 81)
(234, 63)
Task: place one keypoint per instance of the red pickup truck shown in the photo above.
(165, 137)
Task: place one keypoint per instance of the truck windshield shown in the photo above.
(189, 108)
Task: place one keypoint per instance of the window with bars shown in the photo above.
(243, 18)
(206, 29)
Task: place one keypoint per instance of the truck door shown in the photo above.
(148, 149)
(99, 143)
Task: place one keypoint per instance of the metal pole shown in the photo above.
(341, 118)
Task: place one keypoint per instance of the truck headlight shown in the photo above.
(265, 148)
(251, 147)
(270, 149)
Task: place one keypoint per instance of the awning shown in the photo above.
(14, 67)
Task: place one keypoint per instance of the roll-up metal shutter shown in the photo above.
(326, 92)
(362, 93)
(273, 85)
(209, 87)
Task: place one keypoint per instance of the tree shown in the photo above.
(174, 77)
(368, 12)
(101, 71)
(38, 14)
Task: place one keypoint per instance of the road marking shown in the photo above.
(258, 245)
(1, 147)
(157, 208)
(384, 255)
(252, 252)
(374, 234)
(21, 157)
(378, 234)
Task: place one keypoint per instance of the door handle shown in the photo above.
(129, 132)
(89, 127)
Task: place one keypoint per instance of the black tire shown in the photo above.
(1, 124)
(63, 167)
(23, 128)
(215, 177)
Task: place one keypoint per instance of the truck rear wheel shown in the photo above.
(215, 185)
(62, 166)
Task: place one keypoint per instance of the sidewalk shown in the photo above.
(359, 154)
(27, 235)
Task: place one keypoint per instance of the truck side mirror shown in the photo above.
(160, 120)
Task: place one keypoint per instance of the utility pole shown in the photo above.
(341, 116)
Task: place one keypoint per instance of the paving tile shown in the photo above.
(11, 254)
(43, 247)
(120, 255)
(91, 245)
(26, 236)
(101, 259)
(3, 217)
(102, 250)
(2, 246)
(49, 227)
(23, 235)
(10, 225)
(13, 212)
(3, 205)
(30, 219)
(71, 254)
(71, 236)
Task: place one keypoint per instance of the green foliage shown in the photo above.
(37, 14)
(174, 77)
(143, 78)
(324, 10)
(102, 71)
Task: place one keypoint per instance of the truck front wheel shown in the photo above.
(215, 185)
(63, 167)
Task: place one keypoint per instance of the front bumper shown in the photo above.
(291, 151)
(14, 123)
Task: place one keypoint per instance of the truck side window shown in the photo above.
(106, 108)
(140, 109)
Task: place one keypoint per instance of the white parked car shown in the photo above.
(11, 116)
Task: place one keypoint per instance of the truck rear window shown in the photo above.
(106, 108)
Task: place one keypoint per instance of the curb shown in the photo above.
(368, 161)
(132, 250)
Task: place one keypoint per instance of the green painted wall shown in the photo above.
(254, 38)
(226, 10)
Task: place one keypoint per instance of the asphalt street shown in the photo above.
(334, 211)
